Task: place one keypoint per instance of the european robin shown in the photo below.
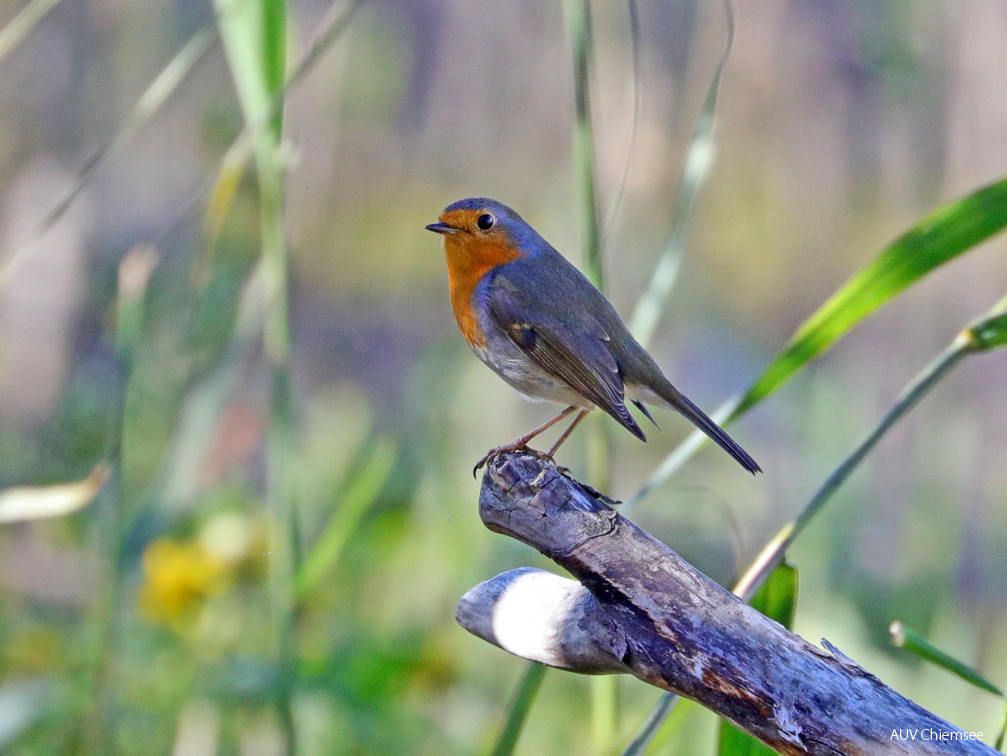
(539, 324)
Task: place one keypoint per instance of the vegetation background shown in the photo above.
(284, 529)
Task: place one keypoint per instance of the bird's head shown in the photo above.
(480, 234)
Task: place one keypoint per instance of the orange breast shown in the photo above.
(468, 261)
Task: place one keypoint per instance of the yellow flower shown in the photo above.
(177, 577)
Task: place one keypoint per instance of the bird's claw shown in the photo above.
(482, 463)
(544, 456)
(494, 453)
(491, 454)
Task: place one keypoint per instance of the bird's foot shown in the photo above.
(506, 449)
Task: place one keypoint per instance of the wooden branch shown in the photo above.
(545, 618)
(642, 609)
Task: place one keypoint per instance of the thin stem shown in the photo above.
(772, 554)
(698, 160)
(240, 150)
(113, 516)
(241, 147)
(19, 26)
(604, 712)
(910, 396)
(276, 345)
(604, 699)
(651, 302)
(682, 453)
(578, 17)
(107, 541)
(634, 41)
(655, 719)
(518, 709)
(276, 341)
(163, 86)
(254, 35)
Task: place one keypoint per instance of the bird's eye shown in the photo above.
(485, 222)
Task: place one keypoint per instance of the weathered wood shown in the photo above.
(545, 618)
(668, 624)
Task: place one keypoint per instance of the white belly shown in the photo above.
(529, 379)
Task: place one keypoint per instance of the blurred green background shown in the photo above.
(141, 624)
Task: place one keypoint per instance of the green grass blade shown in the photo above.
(356, 500)
(777, 596)
(135, 271)
(19, 26)
(988, 332)
(115, 511)
(903, 637)
(945, 234)
(519, 708)
(777, 599)
(992, 334)
(698, 159)
(985, 334)
(275, 54)
(910, 396)
(734, 742)
(254, 37)
(232, 165)
(1003, 732)
(248, 28)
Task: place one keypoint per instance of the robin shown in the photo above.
(539, 324)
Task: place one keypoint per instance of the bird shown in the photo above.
(542, 326)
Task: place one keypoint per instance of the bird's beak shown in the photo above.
(442, 228)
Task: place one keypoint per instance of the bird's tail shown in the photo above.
(699, 418)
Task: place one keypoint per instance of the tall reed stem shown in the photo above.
(604, 690)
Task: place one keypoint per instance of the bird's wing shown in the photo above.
(572, 346)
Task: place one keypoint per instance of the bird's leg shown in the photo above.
(522, 443)
(567, 432)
